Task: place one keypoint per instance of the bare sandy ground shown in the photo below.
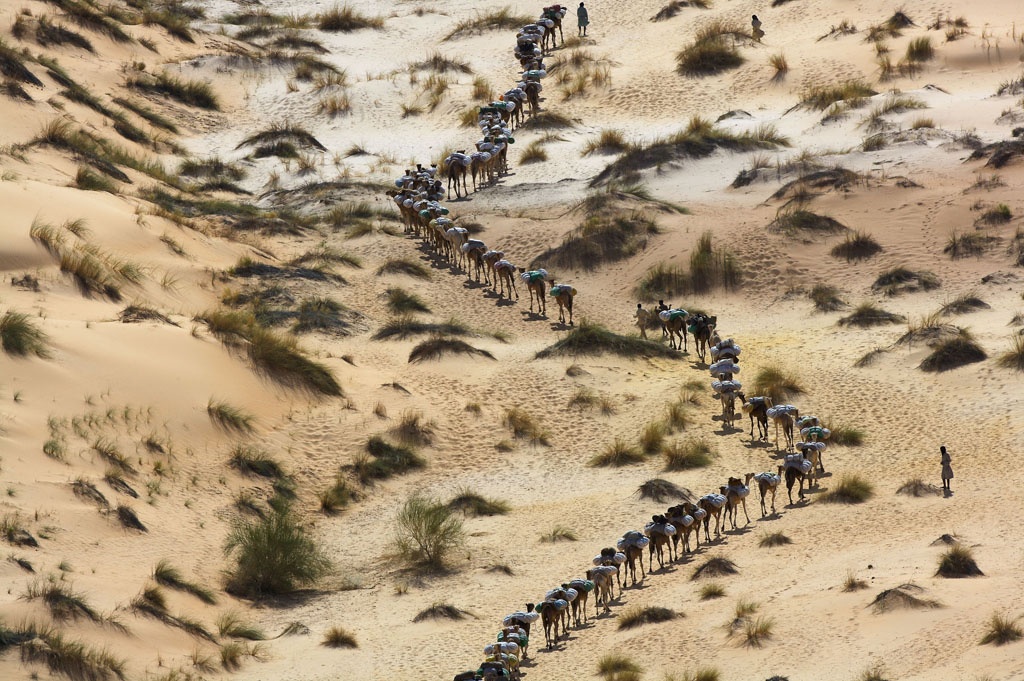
(133, 384)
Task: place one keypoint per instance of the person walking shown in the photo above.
(947, 469)
(642, 317)
(582, 20)
(756, 33)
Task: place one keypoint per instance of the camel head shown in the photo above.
(743, 398)
(589, 575)
(780, 471)
(529, 606)
(735, 482)
(722, 490)
(746, 479)
(608, 552)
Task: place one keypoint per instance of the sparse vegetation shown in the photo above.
(849, 489)
(345, 19)
(230, 417)
(757, 631)
(442, 611)
(426, 531)
(72, 658)
(251, 460)
(558, 533)
(853, 583)
(387, 460)
(956, 562)
(613, 664)
(711, 591)
(713, 49)
(337, 496)
(401, 302)
(61, 600)
(439, 346)
(777, 383)
(618, 453)
(692, 452)
(337, 637)
(471, 503)
(660, 491)
(533, 153)
(853, 92)
(902, 280)
(904, 596)
(826, 298)
(192, 93)
(916, 487)
(231, 625)
(1014, 357)
(867, 314)
(21, 337)
(493, 20)
(966, 244)
(167, 575)
(273, 555)
(607, 142)
(589, 338)
(637, 616)
(524, 426)
(404, 266)
(773, 539)
(954, 352)
(1002, 629)
(793, 221)
(715, 567)
(856, 246)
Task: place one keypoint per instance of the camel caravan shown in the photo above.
(418, 194)
(674, 534)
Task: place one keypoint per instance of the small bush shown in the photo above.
(437, 347)
(439, 611)
(792, 221)
(558, 533)
(904, 596)
(826, 298)
(231, 625)
(493, 20)
(902, 280)
(850, 489)
(868, 314)
(388, 460)
(345, 19)
(472, 504)
(229, 417)
(917, 487)
(712, 51)
(337, 637)
(166, 574)
(618, 453)
(426, 531)
(711, 591)
(72, 658)
(954, 353)
(21, 337)
(715, 567)
(999, 215)
(856, 246)
(956, 562)
(853, 583)
(401, 301)
(615, 663)
(61, 601)
(773, 539)
(1002, 629)
(337, 496)
(652, 438)
(523, 426)
(920, 50)
(757, 631)
(967, 244)
(193, 93)
(533, 153)
(272, 556)
(637, 616)
(846, 436)
(661, 491)
(822, 97)
(1014, 357)
(607, 142)
(693, 452)
(128, 518)
(250, 460)
(777, 383)
(412, 429)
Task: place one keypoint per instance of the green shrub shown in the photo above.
(272, 556)
(426, 531)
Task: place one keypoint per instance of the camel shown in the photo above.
(674, 323)
(812, 452)
(632, 544)
(579, 606)
(614, 557)
(601, 576)
(517, 635)
(794, 470)
(735, 495)
(784, 416)
(455, 168)
(660, 532)
(491, 258)
(702, 326)
(550, 616)
(532, 90)
(569, 596)
(535, 286)
(767, 483)
(506, 274)
(478, 167)
(455, 237)
(554, 14)
(474, 250)
(563, 295)
(756, 408)
(727, 393)
(712, 505)
(685, 524)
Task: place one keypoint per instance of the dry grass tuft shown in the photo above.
(856, 246)
(439, 346)
(558, 533)
(637, 616)
(867, 314)
(953, 353)
(660, 491)
(618, 453)
(777, 383)
(853, 583)
(773, 539)
(715, 567)
(690, 453)
(1002, 629)
(850, 489)
(337, 637)
(904, 596)
(958, 562)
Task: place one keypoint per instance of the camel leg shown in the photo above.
(745, 510)
(764, 509)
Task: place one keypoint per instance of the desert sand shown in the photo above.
(112, 400)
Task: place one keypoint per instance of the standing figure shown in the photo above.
(756, 33)
(642, 317)
(582, 20)
(947, 469)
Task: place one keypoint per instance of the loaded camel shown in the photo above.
(735, 495)
(756, 408)
(684, 517)
(601, 576)
(767, 483)
(613, 557)
(712, 505)
(550, 616)
(660, 532)
(454, 167)
(673, 322)
(702, 326)
(563, 295)
(506, 276)
(535, 286)
(632, 544)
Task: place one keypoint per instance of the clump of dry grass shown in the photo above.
(953, 353)
(778, 383)
(637, 616)
(967, 244)
(338, 637)
(1002, 629)
(853, 583)
(660, 490)
(902, 280)
(957, 562)
(609, 141)
(850, 489)
(853, 92)
(826, 298)
(715, 567)
(345, 19)
(867, 314)
(773, 539)
(904, 596)
(713, 49)
(524, 426)
(618, 453)
(692, 452)
(856, 246)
